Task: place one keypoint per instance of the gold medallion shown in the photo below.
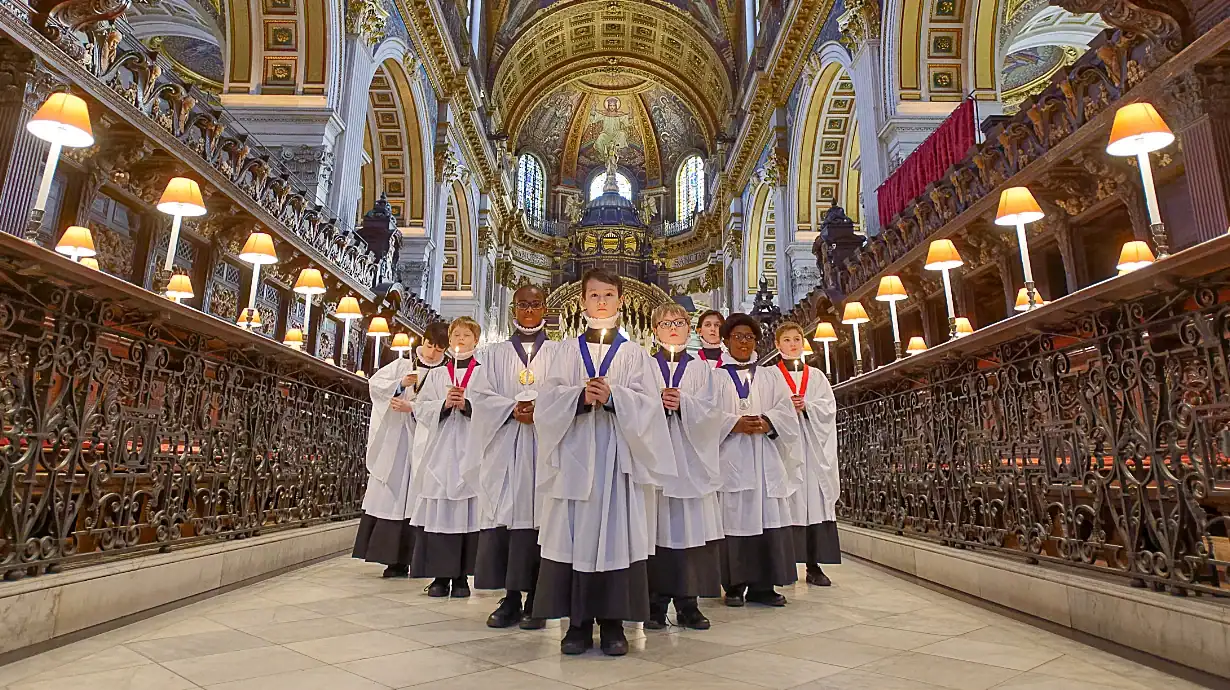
(527, 377)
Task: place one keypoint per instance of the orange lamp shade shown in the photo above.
(348, 309)
(917, 344)
(378, 328)
(807, 347)
(329, 360)
(1017, 206)
(76, 242)
(964, 327)
(942, 255)
(63, 119)
(361, 374)
(259, 249)
(255, 321)
(1135, 255)
(90, 262)
(182, 197)
(294, 337)
(243, 317)
(310, 282)
(891, 289)
(1022, 300)
(401, 343)
(854, 314)
(180, 287)
(825, 332)
(1138, 129)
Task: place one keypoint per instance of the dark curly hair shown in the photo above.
(437, 334)
(739, 319)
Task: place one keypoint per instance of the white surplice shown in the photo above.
(816, 501)
(444, 502)
(686, 511)
(597, 468)
(501, 456)
(389, 439)
(759, 473)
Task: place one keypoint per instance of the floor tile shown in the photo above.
(884, 637)
(105, 660)
(201, 644)
(265, 615)
(736, 635)
(590, 670)
(676, 650)
(395, 617)
(1014, 657)
(189, 626)
(859, 679)
(683, 679)
(1076, 668)
(930, 621)
(828, 650)
(323, 678)
(300, 631)
(415, 668)
(1041, 681)
(347, 605)
(765, 669)
(241, 665)
(364, 645)
(507, 650)
(149, 677)
(448, 632)
(496, 679)
(948, 673)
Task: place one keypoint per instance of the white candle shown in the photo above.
(798, 367)
(414, 358)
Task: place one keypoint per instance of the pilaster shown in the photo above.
(348, 155)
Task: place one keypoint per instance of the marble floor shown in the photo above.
(337, 625)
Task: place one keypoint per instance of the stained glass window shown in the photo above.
(531, 186)
(690, 188)
(621, 180)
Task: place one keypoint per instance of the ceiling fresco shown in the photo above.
(676, 127)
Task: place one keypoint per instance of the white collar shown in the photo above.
(728, 358)
(530, 331)
(600, 324)
(418, 355)
(462, 356)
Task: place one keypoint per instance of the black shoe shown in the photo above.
(578, 640)
(438, 588)
(734, 597)
(818, 578)
(397, 571)
(766, 597)
(691, 617)
(461, 588)
(657, 616)
(508, 613)
(528, 622)
(611, 636)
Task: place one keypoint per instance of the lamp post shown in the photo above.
(258, 251)
(853, 315)
(310, 283)
(63, 120)
(1018, 207)
(179, 287)
(378, 328)
(942, 256)
(76, 242)
(826, 334)
(1138, 131)
(892, 291)
(347, 310)
(181, 198)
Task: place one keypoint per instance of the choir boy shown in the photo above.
(709, 328)
(445, 510)
(815, 504)
(688, 525)
(385, 535)
(503, 456)
(761, 469)
(603, 442)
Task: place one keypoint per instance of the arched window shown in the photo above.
(690, 188)
(621, 180)
(531, 186)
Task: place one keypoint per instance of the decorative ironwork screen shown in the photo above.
(1101, 444)
(122, 432)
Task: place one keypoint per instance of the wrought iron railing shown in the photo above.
(129, 423)
(1090, 435)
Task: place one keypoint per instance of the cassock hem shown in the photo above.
(694, 572)
(507, 559)
(378, 540)
(615, 594)
(765, 559)
(443, 555)
(817, 543)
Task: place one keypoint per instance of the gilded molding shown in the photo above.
(859, 23)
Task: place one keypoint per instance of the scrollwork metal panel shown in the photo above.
(1103, 445)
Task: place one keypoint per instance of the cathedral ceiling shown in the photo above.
(616, 48)
(571, 128)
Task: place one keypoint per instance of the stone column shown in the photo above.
(24, 85)
(1199, 114)
(732, 257)
(860, 29)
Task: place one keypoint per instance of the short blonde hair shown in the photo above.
(664, 310)
(465, 322)
(786, 327)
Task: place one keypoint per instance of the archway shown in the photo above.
(394, 142)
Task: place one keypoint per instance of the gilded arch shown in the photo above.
(394, 143)
(761, 244)
(282, 47)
